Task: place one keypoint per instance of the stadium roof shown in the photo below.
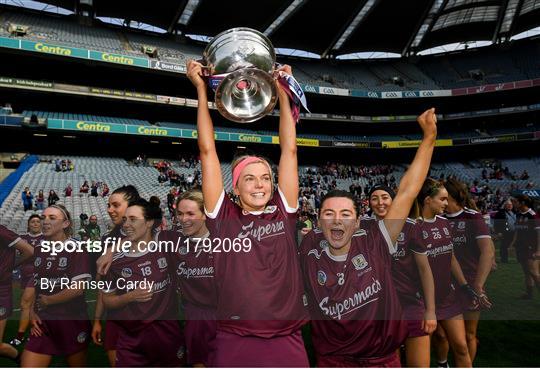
(332, 28)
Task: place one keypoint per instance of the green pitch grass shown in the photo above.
(508, 334)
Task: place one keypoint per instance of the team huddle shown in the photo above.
(405, 277)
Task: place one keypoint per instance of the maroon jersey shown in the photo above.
(27, 269)
(404, 269)
(260, 292)
(8, 239)
(527, 226)
(194, 269)
(468, 226)
(146, 270)
(437, 238)
(51, 272)
(354, 304)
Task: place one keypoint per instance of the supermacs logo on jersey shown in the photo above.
(262, 231)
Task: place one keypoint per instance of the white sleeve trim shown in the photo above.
(287, 207)
(14, 242)
(214, 214)
(106, 291)
(419, 253)
(483, 236)
(81, 276)
(391, 247)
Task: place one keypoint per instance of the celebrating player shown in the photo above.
(9, 241)
(437, 236)
(33, 237)
(195, 276)
(117, 204)
(411, 271)
(260, 294)
(356, 314)
(141, 291)
(60, 324)
(474, 251)
(527, 244)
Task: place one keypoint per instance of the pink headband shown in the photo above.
(244, 163)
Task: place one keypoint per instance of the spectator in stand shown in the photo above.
(524, 175)
(53, 198)
(58, 165)
(84, 188)
(171, 197)
(93, 232)
(40, 200)
(68, 190)
(105, 191)
(27, 198)
(505, 227)
(162, 178)
(94, 189)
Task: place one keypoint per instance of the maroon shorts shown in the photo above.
(112, 330)
(27, 275)
(450, 307)
(413, 314)
(160, 343)
(232, 350)
(61, 337)
(349, 361)
(6, 301)
(200, 330)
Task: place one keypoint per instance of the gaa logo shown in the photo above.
(461, 225)
(37, 262)
(81, 338)
(126, 272)
(183, 250)
(425, 235)
(321, 277)
(62, 263)
(401, 237)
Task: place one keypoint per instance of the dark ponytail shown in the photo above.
(460, 193)
(129, 193)
(430, 188)
(151, 211)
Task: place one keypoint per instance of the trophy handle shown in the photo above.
(205, 68)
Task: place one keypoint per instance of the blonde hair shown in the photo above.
(263, 160)
(193, 195)
(67, 216)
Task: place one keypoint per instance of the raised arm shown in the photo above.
(412, 181)
(212, 183)
(288, 161)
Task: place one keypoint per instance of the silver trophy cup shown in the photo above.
(243, 59)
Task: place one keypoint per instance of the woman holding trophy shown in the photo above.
(260, 293)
